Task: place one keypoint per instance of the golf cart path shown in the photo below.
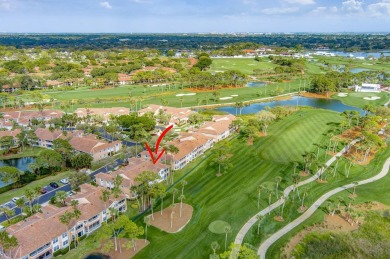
(248, 225)
(272, 239)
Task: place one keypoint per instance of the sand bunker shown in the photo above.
(234, 95)
(342, 94)
(225, 98)
(372, 98)
(186, 94)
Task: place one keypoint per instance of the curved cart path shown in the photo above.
(248, 225)
(271, 240)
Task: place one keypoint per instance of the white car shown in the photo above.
(64, 181)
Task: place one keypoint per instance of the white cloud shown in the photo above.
(142, 1)
(324, 9)
(280, 10)
(380, 8)
(302, 2)
(5, 5)
(105, 5)
(352, 6)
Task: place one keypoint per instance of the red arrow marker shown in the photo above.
(158, 156)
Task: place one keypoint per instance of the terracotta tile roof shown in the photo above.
(11, 133)
(105, 112)
(187, 142)
(219, 125)
(177, 113)
(90, 144)
(135, 167)
(42, 228)
(46, 134)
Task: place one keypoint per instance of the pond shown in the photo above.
(358, 70)
(97, 256)
(328, 104)
(20, 163)
(256, 84)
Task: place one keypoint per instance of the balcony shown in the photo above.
(40, 250)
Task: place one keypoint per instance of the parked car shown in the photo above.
(43, 190)
(64, 181)
(54, 185)
(14, 199)
(68, 194)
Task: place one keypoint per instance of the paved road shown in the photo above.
(248, 225)
(271, 240)
(46, 197)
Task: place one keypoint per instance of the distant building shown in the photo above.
(177, 115)
(368, 88)
(104, 113)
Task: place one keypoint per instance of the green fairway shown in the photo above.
(245, 65)
(122, 96)
(233, 197)
(290, 138)
(357, 99)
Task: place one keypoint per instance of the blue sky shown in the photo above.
(194, 16)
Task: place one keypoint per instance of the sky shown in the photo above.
(185, 16)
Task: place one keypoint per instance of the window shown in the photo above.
(56, 248)
(55, 240)
(65, 243)
(65, 235)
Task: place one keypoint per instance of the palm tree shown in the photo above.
(172, 149)
(76, 214)
(172, 213)
(227, 230)
(147, 224)
(354, 187)
(20, 202)
(30, 195)
(278, 179)
(336, 165)
(304, 194)
(260, 188)
(162, 196)
(60, 197)
(8, 213)
(183, 183)
(348, 169)
(152, 201)
(65, 219)
(174, 192)
(181, 197)
(105, 197)
(270, 191)
(214, 246)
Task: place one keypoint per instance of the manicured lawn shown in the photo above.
(232, 197)
(155, 96)
(28, 152)
(7, 196)
(245, 65)
(356, 99)
(369, 192)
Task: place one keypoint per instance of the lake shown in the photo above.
(256, 84)
(97, 256)
(20, 163)
(358, 54)
(328, 104)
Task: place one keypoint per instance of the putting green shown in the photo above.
(218, 226)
